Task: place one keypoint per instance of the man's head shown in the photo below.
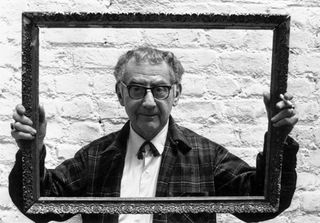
(158, 71)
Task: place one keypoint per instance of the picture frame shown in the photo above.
(35, 204)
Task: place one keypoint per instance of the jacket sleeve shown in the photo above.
(288, 182)
(51, 184)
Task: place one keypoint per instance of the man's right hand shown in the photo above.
(22, 128)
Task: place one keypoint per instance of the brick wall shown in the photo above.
(226, 73)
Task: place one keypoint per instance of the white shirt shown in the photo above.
(139, 178)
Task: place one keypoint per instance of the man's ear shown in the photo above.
(119, 94)
(177, 94)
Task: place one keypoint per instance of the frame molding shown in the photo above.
(35, 204)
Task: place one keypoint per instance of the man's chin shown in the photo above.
(150, 131)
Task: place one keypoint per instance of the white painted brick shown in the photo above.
(198, 110)
(13, 216)
(301, 87)
(76, 78)
(77, 108)
(8, 152)
(310, 201)
(224, 86)
(73, 84)
(193, 86)
(110, 108)
(66, 151)
(315, 157)
(308, 111)
(307, 218)
(84, 131)
(104, 83)
(307, 181)
(55, 130)
(305, 63)
(246, 63)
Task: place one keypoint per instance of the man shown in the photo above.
(152, 155)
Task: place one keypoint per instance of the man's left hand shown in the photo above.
(287, 116)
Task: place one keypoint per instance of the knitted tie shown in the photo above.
(142, 150)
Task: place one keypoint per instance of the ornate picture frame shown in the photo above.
(35, 204)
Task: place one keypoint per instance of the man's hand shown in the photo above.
(22, 129)
(287, 116)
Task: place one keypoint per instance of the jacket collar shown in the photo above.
(175, 136)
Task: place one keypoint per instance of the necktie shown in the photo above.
(142, 150)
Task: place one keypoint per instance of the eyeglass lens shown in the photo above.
(138, 92)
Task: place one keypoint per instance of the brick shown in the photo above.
(84, 132)
(193, 86)
(8, 152)
(223, 86)
(308, 111)
(73, 84)
(197, 61)
(315, 157)
(248, 154)
(104, 83)
(307, 181)
(301, 39)
(307, 218)
(246, 63)
(66, 151)
(77, 108)
(223, 134)
(10, 56)
(96, 57)
(301, 87)
(245, 111)
(55, 130)
(253, 135)
(108, 109)
(199, 111)
(13, 216)
(310, 201)
(305, 63)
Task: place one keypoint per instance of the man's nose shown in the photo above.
(148, 100)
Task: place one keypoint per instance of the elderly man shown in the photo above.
(152, 155)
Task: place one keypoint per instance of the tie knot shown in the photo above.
(142, 150)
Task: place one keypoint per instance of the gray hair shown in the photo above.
(151, 55)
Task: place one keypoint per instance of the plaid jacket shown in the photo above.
(191, 166)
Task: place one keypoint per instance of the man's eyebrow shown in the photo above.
(159, 83)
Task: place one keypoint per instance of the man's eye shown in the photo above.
(136, 88)
(160, 89)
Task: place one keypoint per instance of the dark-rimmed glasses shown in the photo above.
(136, 91)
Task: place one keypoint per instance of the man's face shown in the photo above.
(148, 115)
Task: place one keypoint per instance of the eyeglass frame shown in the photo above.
(146, 89)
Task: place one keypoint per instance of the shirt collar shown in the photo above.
(174, 132)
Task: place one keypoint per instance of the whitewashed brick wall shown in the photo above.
(226, 73)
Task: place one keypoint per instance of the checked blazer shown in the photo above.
(191, 166)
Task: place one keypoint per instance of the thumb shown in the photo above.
(266, 100)
(42, 114)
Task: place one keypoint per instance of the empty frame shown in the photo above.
(269, 202)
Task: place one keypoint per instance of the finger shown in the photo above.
(266, 99)
(21, 135)
(286, 113)
(286, 122)
(285, 102)
(18, 127)
(20, 109)
(22, 119)
(288, 96)
(42, 114)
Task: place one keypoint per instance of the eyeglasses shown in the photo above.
(138, 92)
